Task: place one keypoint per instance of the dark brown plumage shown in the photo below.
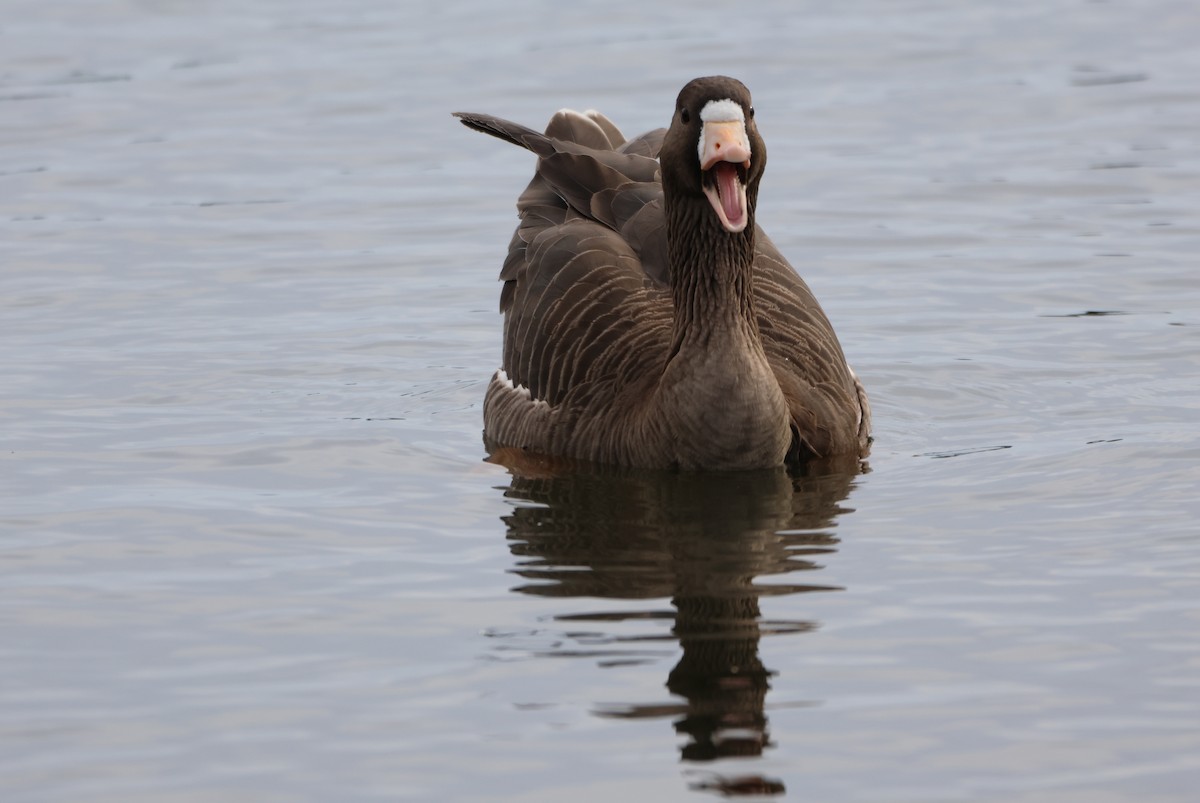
(647, 321)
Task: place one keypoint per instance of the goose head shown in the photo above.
(713, 153)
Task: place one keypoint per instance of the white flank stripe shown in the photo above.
(520, 390)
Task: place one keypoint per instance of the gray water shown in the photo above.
(251, 550)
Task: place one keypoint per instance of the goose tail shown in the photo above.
(508, 131)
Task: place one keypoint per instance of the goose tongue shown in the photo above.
(728, 187)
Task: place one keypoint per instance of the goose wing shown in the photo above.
(828, 404)
(587, 312)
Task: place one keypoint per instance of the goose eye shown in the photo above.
(750, 114)
(684, 117)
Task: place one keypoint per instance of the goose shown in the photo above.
(648, 321)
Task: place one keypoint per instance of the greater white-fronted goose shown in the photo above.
(647, 321)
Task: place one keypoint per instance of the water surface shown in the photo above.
(250, 547)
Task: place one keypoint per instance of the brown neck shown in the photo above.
(718, 395)
(712, 280)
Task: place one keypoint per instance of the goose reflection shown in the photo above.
(702, 541)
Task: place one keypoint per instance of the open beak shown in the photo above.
(724, 162)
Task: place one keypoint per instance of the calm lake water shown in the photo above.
(250, 547)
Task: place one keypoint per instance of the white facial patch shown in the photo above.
(722, 111)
